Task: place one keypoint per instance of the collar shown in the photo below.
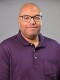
(42, 42)
(26, 43)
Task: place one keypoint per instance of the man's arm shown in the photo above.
(59, 61)
(4, 65)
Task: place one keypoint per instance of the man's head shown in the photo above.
(30, 20)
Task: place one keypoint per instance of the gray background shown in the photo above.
(9, 10)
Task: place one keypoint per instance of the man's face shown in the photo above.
(30, 28)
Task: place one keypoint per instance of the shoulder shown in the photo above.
(9, 41)
(49, 41)
(52, 43)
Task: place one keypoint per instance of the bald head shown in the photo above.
(29, 8)
(30, 21)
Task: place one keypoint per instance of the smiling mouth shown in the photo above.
(32, 27)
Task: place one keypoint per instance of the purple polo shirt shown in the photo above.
(20, 60)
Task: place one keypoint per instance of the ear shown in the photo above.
(18, 20)
(41, 22)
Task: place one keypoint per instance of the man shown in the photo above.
(29, 55)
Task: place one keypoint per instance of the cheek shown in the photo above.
(22, 25)
(39, 24)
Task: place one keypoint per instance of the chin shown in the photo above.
(32, 36)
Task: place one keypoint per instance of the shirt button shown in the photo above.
(34, 50)
(31, 44)
(35, 57)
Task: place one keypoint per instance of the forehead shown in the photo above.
(29, 9)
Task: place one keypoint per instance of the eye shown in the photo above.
(37, 17)
(26, 17)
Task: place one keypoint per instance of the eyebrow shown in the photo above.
(31, 16)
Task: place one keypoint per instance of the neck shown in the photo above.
(34, 41)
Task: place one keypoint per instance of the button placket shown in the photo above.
(34, 50)
(35, 55)
(35, 58)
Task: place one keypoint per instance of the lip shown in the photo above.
(32, 27)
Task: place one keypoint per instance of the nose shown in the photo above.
(32, 21)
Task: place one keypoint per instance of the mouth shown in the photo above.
(32, 27)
